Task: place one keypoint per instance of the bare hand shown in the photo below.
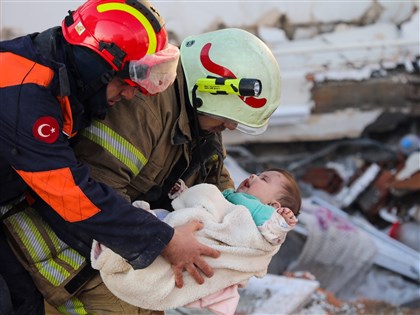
(184, 252)
(288, 216)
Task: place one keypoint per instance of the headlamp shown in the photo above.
(241, 87)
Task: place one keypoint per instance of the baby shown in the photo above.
(273, 198)
(247, 226)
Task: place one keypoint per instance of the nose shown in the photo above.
(230, 125)
(128, 92)
(252, 177)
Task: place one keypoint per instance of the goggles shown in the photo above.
(153, 73)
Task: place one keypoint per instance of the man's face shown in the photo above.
(117, 89)
(215, 124)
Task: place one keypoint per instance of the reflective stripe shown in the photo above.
(120, 148)
(65, 253)
(214, 158)
(139, 16)
(43, 245)
(72, 307)
(4, 209)
(37, 249)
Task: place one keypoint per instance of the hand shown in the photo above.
(288, 216)
(184, 253)
(177, 189)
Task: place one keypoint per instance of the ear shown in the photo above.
(275, 204)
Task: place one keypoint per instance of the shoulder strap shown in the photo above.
(46, 43)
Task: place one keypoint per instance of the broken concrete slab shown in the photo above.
(272, 294)
(348, 123)
(276, 295)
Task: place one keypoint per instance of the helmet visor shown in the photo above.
(254, 131)
(155, 73)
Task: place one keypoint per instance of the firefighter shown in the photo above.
(51, 86)
(227, 79)
(177, 134)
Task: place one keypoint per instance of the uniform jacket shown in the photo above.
(146, 144)
(38, 116)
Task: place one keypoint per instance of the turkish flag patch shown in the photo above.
(46, 129)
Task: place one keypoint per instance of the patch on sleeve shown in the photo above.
(46, 129)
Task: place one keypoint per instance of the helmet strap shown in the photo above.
(94, 86)
(90, 74)
(197, 102)
(115, 52)
(68, 20)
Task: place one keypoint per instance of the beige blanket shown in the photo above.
(228, 228)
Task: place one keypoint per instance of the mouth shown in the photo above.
(112, 102)
(244, 185)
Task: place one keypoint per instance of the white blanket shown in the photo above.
(228, 228)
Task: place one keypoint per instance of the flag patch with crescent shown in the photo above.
(46, 129)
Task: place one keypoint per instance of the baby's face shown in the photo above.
(267, 186)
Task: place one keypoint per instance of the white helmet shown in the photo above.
(234, 75)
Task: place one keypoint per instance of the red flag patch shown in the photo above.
(46, 129)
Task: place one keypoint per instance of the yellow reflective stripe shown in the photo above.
(139, 16)
(65, 253)
(52, 271)
(38, 249)
(5, 209)
(73, 258)
(214, 158)
(120, 148)
(73, 307)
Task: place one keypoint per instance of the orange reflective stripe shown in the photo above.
(14, 68)
(67, 116)
(58, 189)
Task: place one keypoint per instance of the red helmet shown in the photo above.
(120, 31)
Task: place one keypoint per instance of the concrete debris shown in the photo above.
(369, 184)
(324, 178)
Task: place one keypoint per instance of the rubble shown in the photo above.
(370, 183)
(325, 303)
(351, 92)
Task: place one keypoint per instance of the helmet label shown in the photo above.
(80, 29)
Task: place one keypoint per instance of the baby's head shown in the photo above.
(275, 187)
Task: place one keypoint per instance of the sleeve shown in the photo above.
(64, 184)
(116, 151)
(275, 229)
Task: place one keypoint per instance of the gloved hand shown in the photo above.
(177, 189)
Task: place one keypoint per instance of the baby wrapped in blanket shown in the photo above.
(247, 227)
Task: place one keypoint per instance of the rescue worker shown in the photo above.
(144, 145)
(51, 85)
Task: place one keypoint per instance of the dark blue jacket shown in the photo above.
(38, 115)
